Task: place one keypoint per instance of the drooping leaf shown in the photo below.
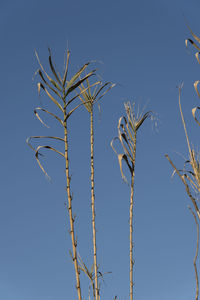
(51, 97)
(41, 137)
(46, 111)
(194, 114)
(42, 67)
(196, 87)
(38, 161)
(43, 79)
(197, 57)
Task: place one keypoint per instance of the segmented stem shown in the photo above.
(72, 233)
(131, 218)
(93, 206)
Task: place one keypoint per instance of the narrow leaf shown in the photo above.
(53, 69)
(197, 57)
(111, 144)
(194, 44)
(38, 161)
(42, 66)
(46, 111)
(73, 87)
(193, 34)
(55, 91)
(41, 137)
(76, 76)
(66, 68)
(83, 91)
(194, 114)
(139, 123)
(196, 87)
(51, 97)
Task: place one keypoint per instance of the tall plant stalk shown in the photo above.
(127, 136)
(93, 206)
(89, 98)
(131, 219)
(190, 176)
(62, 89)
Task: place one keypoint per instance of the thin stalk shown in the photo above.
(93, 206)
(131, 219)
(72, 233)
(196, 255)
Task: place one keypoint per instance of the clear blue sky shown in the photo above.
(141, 47)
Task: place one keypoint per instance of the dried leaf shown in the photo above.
(39, 88)
(73, 87)
(53, 69)
(193, 44)
(194, 114)
(46, 111)
(51, 97)
(105, 92)
(35, 112)
(140, 121)
(76, 76)
(83, 91)
(66, 68)
(111, 144)
(197, 57)
(38, 161)
(193, 34)
(55, 91)
(42, 67)
(42, 137)
(196, 87)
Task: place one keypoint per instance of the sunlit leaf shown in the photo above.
(196, 87)
(46, 111)
(51, 97)
(73, 87)
(194, 114)
(76, 76)
(53, 69)
(66, 68)
(38, 161)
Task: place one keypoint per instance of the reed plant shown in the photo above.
(128, 127)
(89, 98)
(62, 92)
(190, 173)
